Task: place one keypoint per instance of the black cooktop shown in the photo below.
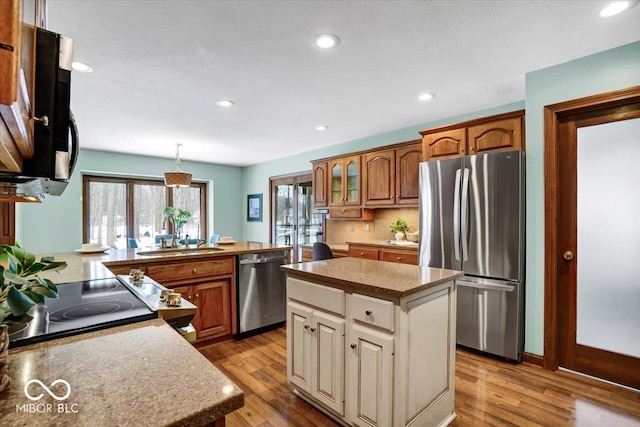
(82, 307)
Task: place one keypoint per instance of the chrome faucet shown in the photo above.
(163, 243)
(201, 242)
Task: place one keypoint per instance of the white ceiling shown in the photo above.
(161, 65)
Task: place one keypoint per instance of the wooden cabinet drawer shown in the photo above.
(324, 297)
(363, 252)
(372, 311)
(170, 272)
(403, 257)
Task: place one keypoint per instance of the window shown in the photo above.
(119, 208)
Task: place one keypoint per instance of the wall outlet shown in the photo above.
(366, 228)
(351, 228)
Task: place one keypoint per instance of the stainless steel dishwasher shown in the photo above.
(261, 292)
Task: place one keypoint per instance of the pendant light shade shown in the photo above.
(178, 178)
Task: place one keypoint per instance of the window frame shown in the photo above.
(130, 202)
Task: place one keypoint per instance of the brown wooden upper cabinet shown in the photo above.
(320, 199)
(390, 176)
(18, 21)
(500, 132)
(344, 181)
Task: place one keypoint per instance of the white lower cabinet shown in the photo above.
(315, 352)
(395, 367)
(370, 380)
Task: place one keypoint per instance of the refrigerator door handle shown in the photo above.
(464, 215)
(456, 216)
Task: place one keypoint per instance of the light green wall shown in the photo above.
(56, 224)
(603, 72)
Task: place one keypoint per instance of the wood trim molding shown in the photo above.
(533, 359)
(552, 113)
(473, 122)
(369, 150)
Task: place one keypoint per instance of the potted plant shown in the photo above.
(20, 289)
(399, 227)
(177, 217)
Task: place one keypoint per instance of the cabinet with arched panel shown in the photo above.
(496, 133)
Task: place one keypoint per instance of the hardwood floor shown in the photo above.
(489, 392)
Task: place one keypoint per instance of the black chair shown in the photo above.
(321, 251)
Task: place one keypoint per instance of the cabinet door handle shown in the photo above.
(313, 329)
(195, 270)
(354, 346)
(368, 312)
(306, 326)
(361, 253)
(44, 120)
(399, 258)
(197, 295)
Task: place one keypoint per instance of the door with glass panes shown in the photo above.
(293, 220)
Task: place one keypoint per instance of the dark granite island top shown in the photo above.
(134, 375)
(379, 277)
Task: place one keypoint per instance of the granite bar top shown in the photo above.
(386, 278)
(139, 374)
(339, 247)
(95, 266)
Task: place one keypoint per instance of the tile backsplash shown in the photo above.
(341, 231)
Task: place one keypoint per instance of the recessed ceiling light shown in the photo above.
(426, 96)
(322, 128)
(326, 41)
(615, 8)
(82, 67)
(225, 103)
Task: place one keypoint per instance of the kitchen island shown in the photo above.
(371, 342)
(139, 374)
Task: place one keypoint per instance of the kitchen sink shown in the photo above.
(180, 251)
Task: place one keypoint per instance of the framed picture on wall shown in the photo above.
(254, 207)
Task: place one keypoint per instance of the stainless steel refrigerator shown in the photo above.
(472, 219)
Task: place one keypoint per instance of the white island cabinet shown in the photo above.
(372, 343)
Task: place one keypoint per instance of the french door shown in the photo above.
(293, 220)
(598, 241)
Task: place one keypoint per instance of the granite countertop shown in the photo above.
(139, 374)
(402, 244)
(95, 266)
(387, 278)
(340, 247)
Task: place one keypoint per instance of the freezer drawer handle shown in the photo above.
(487, 286)
(261, 260)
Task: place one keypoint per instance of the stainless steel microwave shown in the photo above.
(55, 130)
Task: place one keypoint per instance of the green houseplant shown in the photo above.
(20, 289)
(399, 227)
(177, 217)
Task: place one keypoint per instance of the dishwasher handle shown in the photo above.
(262, 260)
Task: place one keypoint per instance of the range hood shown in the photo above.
(29, 190)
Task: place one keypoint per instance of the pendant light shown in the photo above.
(178, 178)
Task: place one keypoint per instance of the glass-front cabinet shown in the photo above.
(345, 181)
(293, 219)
